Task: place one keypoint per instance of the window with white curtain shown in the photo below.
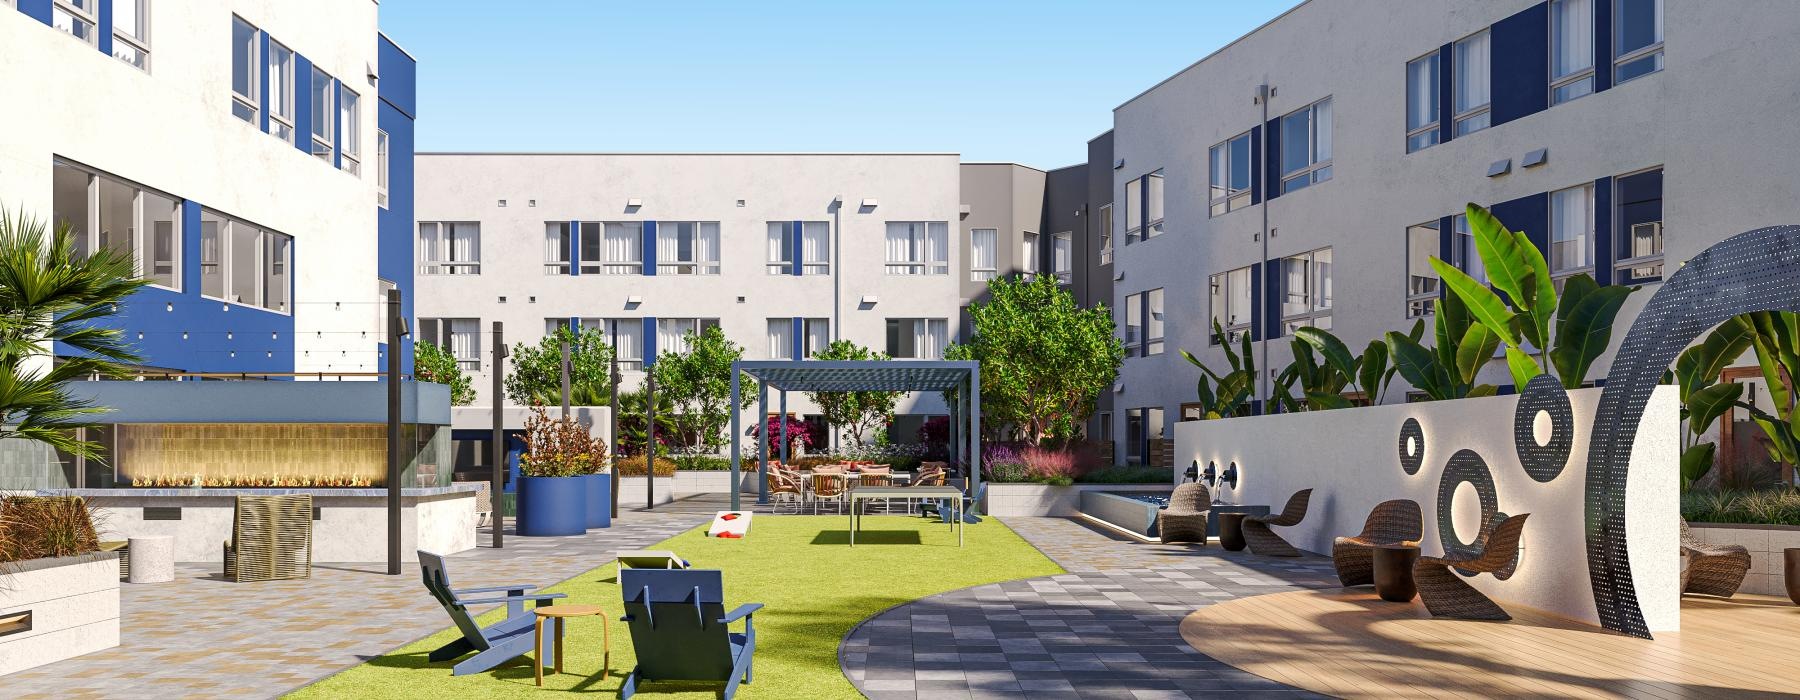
(106, 212)
(781, 338)
(1061, 262)
(1028, 254)
(323, 106)
(1233, 303)
(1153, 205)
(1571, 49)
(1306, 290)
(1472, 91)
(687, 247)
(1637, 38)
(1306, 146)
(1462, 249)
(246, 64)
(613, 248)
(1103, 227)
(781, 247)
(818, 335)
(1231, 172)
(673, 334)
(556, 247)
(131, 32)
(1571, 232)
(381, 168)
(917, 338)
(1421, 278)
(815, 247)
(281, 92)
(982, 255)
(460, 336)
(350, 145)
(1422, 102)
(918, 248)
(553, 326)
(626, 335)
(449, 248)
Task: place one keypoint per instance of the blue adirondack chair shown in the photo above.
(679, 628)
(941, 507)
(495, 644)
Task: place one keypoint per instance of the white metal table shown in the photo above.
(952, 495)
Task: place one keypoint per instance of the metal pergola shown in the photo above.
(960, 380)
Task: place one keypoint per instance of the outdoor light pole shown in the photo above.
(565, 379)
(396, 330)
(650, 440)
(612, 414)
(737, 437)
(496, 399)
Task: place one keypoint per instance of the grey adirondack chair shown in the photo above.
(495, 644)
(679, 628)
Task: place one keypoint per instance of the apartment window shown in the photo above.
(131, 32)
(1462, 249)
(1028, 254)
(781, 247)
(1473, 95)
(1231, 174)
(460, 336)
(322, 110)
(1571, 232)
(1144, 323)
(556, 247)
(687, 247)
(243, 263)
(1104, 228)
(918, 248)
(1306, 290)
(381, 168)
(1640, 237)
(281, 92)
(815, 247)
(1134, 210)
(673, 334)
(1061, 263)
(1142, 425)
(1306, 146)
(1421, 279)
(1103, 427)
(449, 248)
(917, 338)
(1422, 102)
(1134, 322)
(1571, 49)
(818, 334)
(246, 63)
(1153, 205)
(982, 255)
(75, 17)
(1232, 303)
(781, 338)
(108, 213)
(1637, 38)
(553, 326)
(349, 110)
(613, 248)
(626, 336)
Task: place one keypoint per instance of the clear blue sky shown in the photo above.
(1017, 80)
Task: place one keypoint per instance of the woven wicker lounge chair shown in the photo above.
(1446, 594)
(827, 487)
(1713, 569)
(1185, 518)
(1263, 540)
(271, 538)
(1393, 522)
(783, 489)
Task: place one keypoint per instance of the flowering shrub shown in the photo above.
(560, 447)
(1050, 464)
(935, 430)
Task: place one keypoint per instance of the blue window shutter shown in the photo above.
(575, 247)
(262, 41)
(302, 104)
(337, 125)
(1603, 230)
(649, 331)
(1256, 169)
(799, 338)
(36, 9)
(1447, 92)
(1603, 64)
(1519, 64)
(1446, 246)
(1256, 302)
(795, 238)
(650, 248)
(1272, 160)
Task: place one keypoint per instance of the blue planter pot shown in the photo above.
(599, 499)
(552, 505)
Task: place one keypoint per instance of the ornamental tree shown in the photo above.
(432, 363)
(536, 370)
(1044, 359)
(854, 413)
(698, 384)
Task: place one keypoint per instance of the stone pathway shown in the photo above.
(1107, 629)
(202, 636)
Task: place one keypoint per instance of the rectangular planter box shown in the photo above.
(631, 491)
(1765, 543)
(1122, 512)
(73, 604)
(1041, 500)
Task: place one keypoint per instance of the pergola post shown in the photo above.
(784, 434)
(975, 434)
(762, 449)
(737, 436)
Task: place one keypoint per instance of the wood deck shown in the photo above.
(1348, 643)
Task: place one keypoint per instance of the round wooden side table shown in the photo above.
(558, 615)
(1394, 572)
(1231, 531)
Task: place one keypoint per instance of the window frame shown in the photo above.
(1433, 129)
(381, 168)
(441, 264)
(1316, 171)
(1654, 49)
(1558, 275)
(77, 15)
(1483, 111)
(1063, 265)
(1230, 201)
(631, 356)
(602, 265)
(1155, 202)
(328, 140)
(1134, 208)
(1585, 75)
(349, 140)
(1622, 237)
(1104, 229)
(1422, 304)
(440, 331)
(1030, 254)
(783, 263)
(920, 265)
(693, 267)
(892, 351)
(1222, 280)
(806, 335)
(977, 272)
(565, 266)
(1319, 304)
(227, 259)
(139, 44)
(143, 241)
(281, 126)
(255, 61)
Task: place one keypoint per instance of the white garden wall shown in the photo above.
(73, 607)
(1350, 458)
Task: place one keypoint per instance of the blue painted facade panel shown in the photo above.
(575, 247)
(1271, 290)
(1520, 64)
(1603, 230)
(395, 224)
(1257, 322)
(1256, 187)
(649, 331)
(1529, 214)
(262, 115)
(1446, 245)
(799, 338)
(1447, 93)
(1603, 66)
(337, 125)
(104, 16)
(794, 239)
(649, 253)
(36, 9)
(1271, 161)
(302, 103)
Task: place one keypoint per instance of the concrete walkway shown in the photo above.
(1107, 629)
(202, 636)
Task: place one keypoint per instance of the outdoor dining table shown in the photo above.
(952, 496)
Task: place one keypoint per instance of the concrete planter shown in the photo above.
(1043, 500)
(1765, 543)
(631, 491)
(551, 506)
(70, 604)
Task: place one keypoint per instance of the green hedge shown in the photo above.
(1770, 507)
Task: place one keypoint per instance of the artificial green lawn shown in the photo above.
(813, 587)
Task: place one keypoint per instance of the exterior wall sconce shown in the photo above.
(1211, 475)
(1193, 472)
(1230, 476)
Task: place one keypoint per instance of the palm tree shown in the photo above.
(49, 292)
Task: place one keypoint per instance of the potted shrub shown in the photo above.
(562, 478)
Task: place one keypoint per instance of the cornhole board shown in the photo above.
(736, 527)
(649, 559)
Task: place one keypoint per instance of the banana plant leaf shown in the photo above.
(1706, 405)
(1696, 461)
(1584, 327)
